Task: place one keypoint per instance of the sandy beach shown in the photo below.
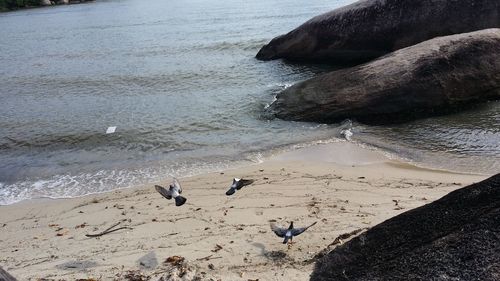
(340, 186)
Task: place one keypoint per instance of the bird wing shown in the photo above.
(230, 191)
(278, 230)
(177, 186)
(297, 231)
(163, 191)
(239, 183)
(246, 182)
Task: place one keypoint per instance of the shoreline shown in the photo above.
(46, 238)
(365, 153)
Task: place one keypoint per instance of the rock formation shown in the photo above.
(454, 238)
(370, 28)
(5, 276)
(434, 77)
(19, 4)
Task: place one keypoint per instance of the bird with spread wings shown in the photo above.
(288, 233)
(174, 191)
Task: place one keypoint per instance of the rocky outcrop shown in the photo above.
(10, 5)
(454, 238)
(5, 276)
(434, 77)
(370, 28)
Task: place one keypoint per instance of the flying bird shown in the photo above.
(288, 233)
(173, 191)
(237, 185)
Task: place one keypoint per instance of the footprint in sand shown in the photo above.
(313, 207)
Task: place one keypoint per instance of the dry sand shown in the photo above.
(341, 186)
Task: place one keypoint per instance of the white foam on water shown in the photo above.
(275, 98)
(257, 157)
(281, 86)
(347, 134)
(69, 186)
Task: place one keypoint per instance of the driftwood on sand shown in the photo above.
(108, 230)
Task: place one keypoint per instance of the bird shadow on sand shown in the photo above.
(274, 256)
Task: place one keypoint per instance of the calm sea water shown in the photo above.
(179, 81)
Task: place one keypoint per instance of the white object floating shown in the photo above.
(347, 134)
(111, 130)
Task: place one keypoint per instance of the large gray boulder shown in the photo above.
(454, 238)
(5, 276)
(370, 28)
(434, 77)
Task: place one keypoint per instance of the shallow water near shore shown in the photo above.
(179, 81)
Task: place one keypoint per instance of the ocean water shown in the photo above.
(180, 82)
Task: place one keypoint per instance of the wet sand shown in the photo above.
(341, 186)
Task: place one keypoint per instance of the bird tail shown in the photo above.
(286, 240)
(231, 191)
(179, 201)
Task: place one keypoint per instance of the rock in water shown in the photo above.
(370, 28)
(454, 238)
(430, 78)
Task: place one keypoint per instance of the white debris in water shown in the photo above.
(345, 129)
(275, 98)
(111, 130)
(346, 133)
